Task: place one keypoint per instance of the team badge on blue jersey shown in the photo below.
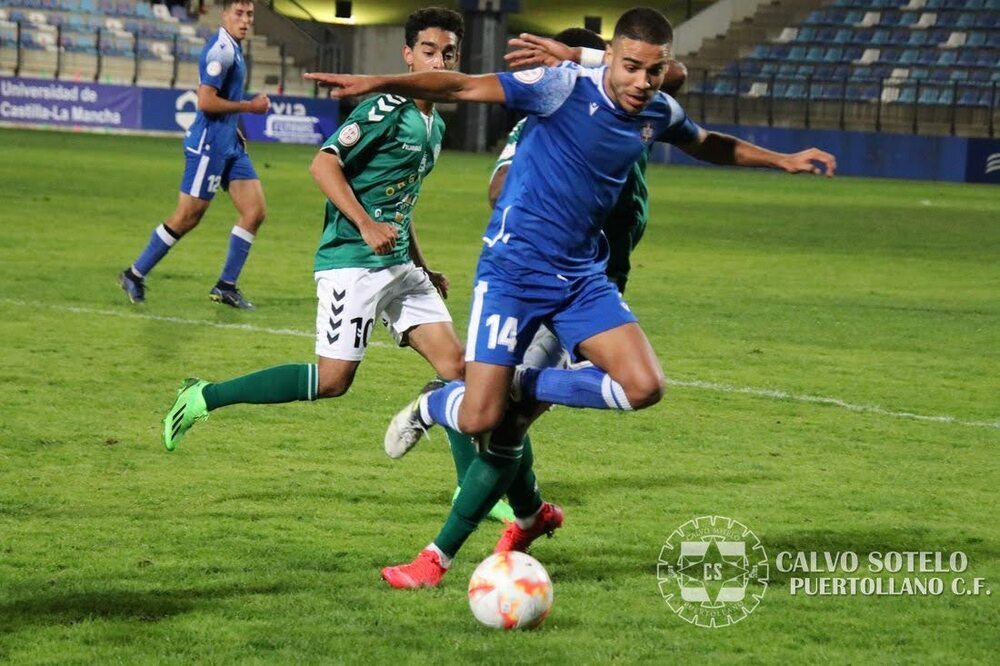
(647, 133)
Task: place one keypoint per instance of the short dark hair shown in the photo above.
(645, 24)
(433, 17)
(581, 37)
(226, 4)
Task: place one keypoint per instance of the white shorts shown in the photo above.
(350, 299)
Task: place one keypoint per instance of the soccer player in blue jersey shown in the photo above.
(215, 157)
(543, 261)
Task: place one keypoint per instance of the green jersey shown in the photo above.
(386, 146)
(626, 222)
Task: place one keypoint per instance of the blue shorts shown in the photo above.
(205, 172)
(509, 304)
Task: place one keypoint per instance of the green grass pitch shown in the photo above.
(807, 326)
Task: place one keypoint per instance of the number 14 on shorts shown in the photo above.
(502, 334)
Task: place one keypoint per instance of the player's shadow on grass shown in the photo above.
(152, 606)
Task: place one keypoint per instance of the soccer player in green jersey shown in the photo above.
(368, 264)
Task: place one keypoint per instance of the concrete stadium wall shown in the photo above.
(712, 22)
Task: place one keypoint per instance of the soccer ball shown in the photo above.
(510, 590)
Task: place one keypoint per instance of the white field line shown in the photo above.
(773, 394)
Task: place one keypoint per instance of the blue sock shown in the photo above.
(160, 242)
(441, 406)
(581, 387)
(239, 247)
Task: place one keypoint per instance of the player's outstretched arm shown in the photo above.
(432, 86)
(534, 51)
(717, 148)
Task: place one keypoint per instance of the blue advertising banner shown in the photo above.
(289, 120)
(67, 104)
(77, 105)
(983, 165)
(873, 154)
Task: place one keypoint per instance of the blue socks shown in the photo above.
(239, 248)
(441, 406)
(160, 242)
(581, 387)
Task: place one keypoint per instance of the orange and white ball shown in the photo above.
(510, 590)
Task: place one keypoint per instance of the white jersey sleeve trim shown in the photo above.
(591, 58)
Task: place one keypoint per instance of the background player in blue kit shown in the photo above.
(543, 261)
(215, 157)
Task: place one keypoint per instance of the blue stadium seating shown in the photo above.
(942, 42)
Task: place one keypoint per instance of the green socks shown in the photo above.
(463, 450)
(282, 383)
(491, 474)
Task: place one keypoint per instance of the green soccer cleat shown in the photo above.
(501, 511)
(188, 407)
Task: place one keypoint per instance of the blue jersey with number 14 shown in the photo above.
(575, 153)
(221, 66)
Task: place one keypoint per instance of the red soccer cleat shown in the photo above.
(425, 571)
(549, 519)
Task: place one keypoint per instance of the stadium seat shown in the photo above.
(976, 38)
(862, 37)
(788, 70)
(955, 39)
(788, 35)
(928, 95)
(907, 95)
(795, 91)
(870, 56)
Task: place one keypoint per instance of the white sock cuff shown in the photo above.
(614, 395)
(525, 523)
(452, 406)
(165, 236)
(242, 233)
(445, 560)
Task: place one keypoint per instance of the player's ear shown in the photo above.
(408, 56)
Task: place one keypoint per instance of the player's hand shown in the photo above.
(259, 104)
(439, 281)
(811, 160)
(343, 85)
(381, 237)
(534, 51)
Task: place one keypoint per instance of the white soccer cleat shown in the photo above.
(404, 431)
